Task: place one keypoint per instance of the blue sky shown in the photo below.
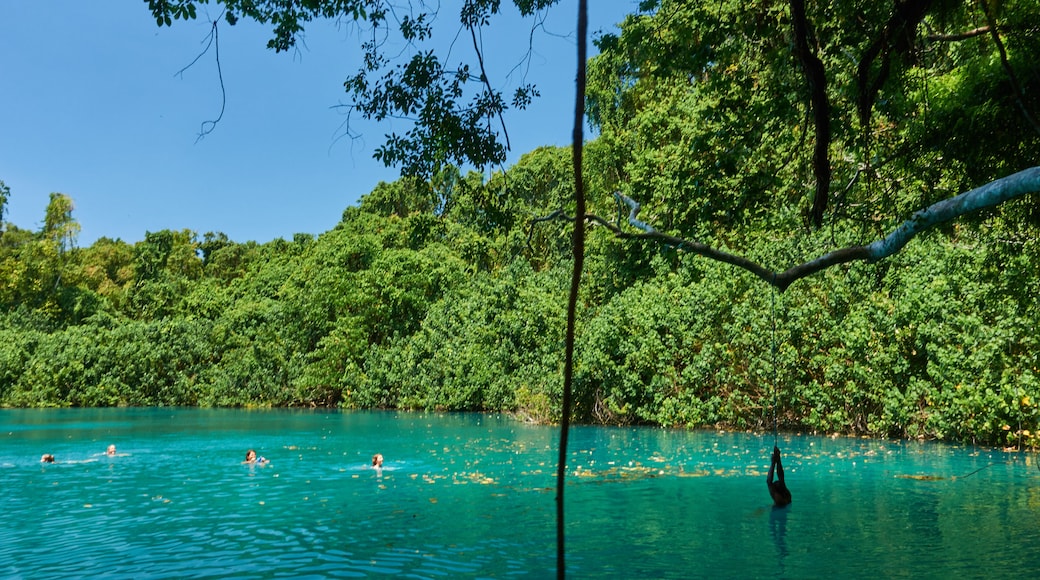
(91, 106)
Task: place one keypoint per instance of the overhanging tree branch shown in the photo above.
(487, 82)
(989, 195)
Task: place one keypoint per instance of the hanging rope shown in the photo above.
(772, 316)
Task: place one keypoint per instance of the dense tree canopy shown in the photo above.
(735, 112)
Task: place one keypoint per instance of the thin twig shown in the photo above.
(214, 41)
(487, 83)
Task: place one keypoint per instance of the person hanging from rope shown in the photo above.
(777, 489)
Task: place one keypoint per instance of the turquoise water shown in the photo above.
(472, 496)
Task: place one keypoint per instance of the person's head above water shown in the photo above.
(251, 457)
(111, 450)
(377, 460)
(47, 458)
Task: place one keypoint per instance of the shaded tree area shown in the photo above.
(435, 292)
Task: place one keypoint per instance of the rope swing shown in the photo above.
(772, 316)
(778, 488)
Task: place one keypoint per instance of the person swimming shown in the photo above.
(252, 459)
(377, 461)
(111, 450)
(777, 489)
(47, 458)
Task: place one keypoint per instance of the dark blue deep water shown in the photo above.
(471, 496)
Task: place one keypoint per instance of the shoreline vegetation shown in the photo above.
(435, 311)
(448, 292)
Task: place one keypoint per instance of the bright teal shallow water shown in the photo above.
(470, 496)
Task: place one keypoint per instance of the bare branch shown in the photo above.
(554, 216)
(649, 233)
(1016, 87)
(989, 195)
(487, 83)
(958, 36)
(897, 35)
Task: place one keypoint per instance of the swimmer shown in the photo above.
(47, 458)
(111, 450)
(252, 459)
(377, 461)
(777, 489)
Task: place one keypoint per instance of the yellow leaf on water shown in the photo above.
(921, 477)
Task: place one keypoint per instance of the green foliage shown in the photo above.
(451, 107)
(96, 365)
(445, 311)
(437, 292)
(706, 110)
(489, 340)
(58, 225)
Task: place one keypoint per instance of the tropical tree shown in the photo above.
(676, 92)
(5, 194)
(59, 227)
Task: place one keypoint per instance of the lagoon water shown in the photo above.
(471, 496)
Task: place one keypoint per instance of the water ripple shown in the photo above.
(471, 496)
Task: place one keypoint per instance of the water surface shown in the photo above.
(472, 496)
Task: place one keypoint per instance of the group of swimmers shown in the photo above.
(49, 457)
(251, 458)
(777, 488)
